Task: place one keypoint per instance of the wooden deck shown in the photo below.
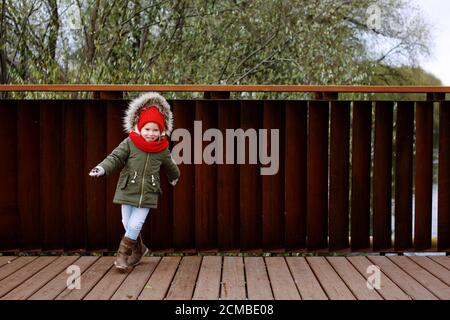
(229, 277)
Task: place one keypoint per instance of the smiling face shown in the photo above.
(150, 131)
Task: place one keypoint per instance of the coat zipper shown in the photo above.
(143, 180)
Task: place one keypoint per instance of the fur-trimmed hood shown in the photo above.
(143, 102)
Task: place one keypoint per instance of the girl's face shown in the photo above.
(150, 132)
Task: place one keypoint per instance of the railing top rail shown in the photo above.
(221, 88)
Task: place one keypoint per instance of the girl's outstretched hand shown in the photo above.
(97, 172)
(174, 182)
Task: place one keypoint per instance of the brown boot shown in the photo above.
(138, 252)
(125, 248)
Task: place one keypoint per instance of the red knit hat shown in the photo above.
(151, 114)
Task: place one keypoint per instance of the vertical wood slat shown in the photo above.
(228, 181)
(94, 153)
(339, 175)
(424, 175)
(295, 174)
(444, 177)
(90, 148)
(73, 177)
(161, 219)
(51, 175)
(28, 164)
(272, 184)
(360, 199)
(205, 180)
(9, 215)
(317, 203)
(114, 135)
(403, 175)
(184, 201)
(382, 176)
(250, 183)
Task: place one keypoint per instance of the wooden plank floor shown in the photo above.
(229, 277)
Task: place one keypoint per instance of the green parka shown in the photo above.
(139, 182)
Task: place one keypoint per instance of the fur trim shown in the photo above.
(142, 102)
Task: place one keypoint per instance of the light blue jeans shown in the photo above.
(133, 219)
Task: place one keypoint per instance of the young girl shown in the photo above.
(148, 122)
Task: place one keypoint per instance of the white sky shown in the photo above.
(437, 12)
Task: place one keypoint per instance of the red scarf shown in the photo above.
(148, 146)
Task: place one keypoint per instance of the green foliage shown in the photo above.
(208, 42)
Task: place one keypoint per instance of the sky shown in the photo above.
(437, 12)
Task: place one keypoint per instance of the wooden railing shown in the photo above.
(333, 190)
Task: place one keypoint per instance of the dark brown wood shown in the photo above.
(339, 175)
(73, 192)
(272, 184)
(403, 175)
(28, 164)
(235, 216)
(317, 203)
(444, 178)
(361, 148)
(382, 176)
(51, 175)
(95, 152)
(424, 175)
(9, 215)
(228, 88)
(216, 95)
(326, 95)
(205, 179)
(184, 201)
(250, 185)
(228, 180)
(114, 136)
(108, 95)
(161, 218)
(295, 174)
(435, 96)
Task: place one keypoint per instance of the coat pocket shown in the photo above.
(124, 181)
